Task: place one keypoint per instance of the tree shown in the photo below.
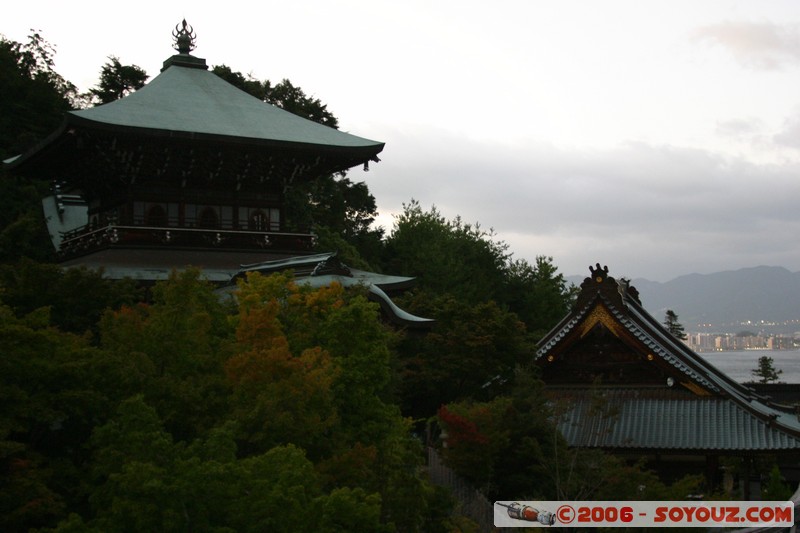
(247, 83)
(447, 256)
(33, 99)
(54, 389)
(489, 309)
(147, 482)
(766, 372)
(470, 352)
(180, 342)
(33, 96)
(776, 488)
(673, 326)
(538, 294)
(278, 398)
(506, 445)
(510, 445)
(321, 369)
(117, 81)
(284, 95)
(76, 297)
(294, 100)
(323, 349)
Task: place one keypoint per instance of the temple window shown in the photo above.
(208, 218)
(258, 221)
(226, 217)
(264, 220)
(156, 216)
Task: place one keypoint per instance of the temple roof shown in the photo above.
(320, 270)
(646, 419)
(662, 394)
(191, 102)
(188, 104)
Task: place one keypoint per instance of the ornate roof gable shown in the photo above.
(609, 345)
(609, 337)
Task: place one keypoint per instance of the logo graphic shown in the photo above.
(527, 513)
(643, 514)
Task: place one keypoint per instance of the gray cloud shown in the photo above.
(755, 45)
(653, 211)
(740, 129)
(790, 134)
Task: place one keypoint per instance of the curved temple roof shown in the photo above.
(321, 270)
(188, 102)
(193, 102)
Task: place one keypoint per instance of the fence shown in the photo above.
(473, 504)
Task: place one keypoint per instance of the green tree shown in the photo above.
(283, 94)
(510, 445)
(33, 96)
(489, 309)
(33, 99)
(180, 343)
(673, 325)
(294, 99)
(766, 372)
(54, 388)
(776, 488)
(446, 256)
(153, 430)
(538, 294)
(364, 442)
(278, 398)
(343, 206)
(247, 83)
(505, 445)
(470, 352)
(147, 482)
(76, 297)
(23, 231)
(286, 323)
(328, 240)
(117, 81)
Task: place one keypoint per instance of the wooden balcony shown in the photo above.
(86, 240)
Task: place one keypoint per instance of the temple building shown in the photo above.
(621, 382)
(187, 171)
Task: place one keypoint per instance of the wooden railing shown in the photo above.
(84, 240)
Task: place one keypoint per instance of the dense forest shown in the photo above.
(286, 408)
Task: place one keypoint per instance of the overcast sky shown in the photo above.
(658, 137)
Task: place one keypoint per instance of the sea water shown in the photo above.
(739, 365)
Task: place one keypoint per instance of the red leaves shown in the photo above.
(460, 429)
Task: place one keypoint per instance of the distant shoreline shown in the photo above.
(751, 350)
(740, 364)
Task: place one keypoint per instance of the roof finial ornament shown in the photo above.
(184, 38)
(599, 274)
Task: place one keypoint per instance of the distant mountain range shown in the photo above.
(767, 297)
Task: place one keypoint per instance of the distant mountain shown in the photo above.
(725, 301)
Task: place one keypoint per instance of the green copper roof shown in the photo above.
(320, 270)
(666, 419)
(193, 101)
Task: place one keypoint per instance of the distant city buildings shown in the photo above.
(724, 342)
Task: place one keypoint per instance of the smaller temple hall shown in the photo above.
(621, 382)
